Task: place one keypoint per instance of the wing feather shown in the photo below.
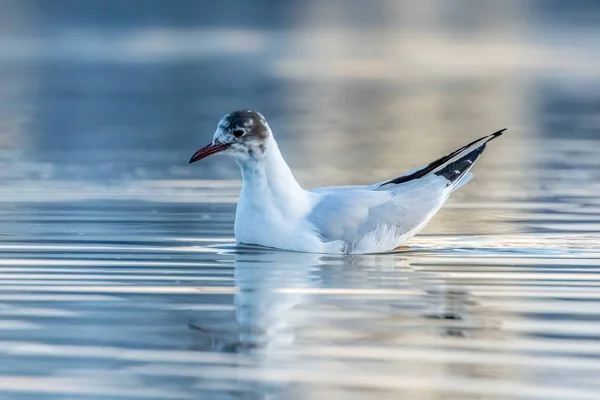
(382, 216)
(350, 216)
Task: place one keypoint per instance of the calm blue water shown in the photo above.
(119, 274)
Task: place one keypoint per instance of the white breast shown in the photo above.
(276, 224)
(272, 207)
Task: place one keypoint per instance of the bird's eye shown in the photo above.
(238, 132)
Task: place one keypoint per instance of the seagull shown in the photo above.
(274, 211)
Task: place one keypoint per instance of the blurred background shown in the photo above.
(116, 91)
(119, 277)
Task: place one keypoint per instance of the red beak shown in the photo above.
(208, 150)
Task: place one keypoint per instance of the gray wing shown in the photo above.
(350, 215)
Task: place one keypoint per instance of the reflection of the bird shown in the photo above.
(287, 301)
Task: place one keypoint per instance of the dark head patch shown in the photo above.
(251, 122)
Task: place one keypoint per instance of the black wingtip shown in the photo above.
(439, 163)
(499, 133)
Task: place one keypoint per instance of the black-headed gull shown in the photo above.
(274, 211)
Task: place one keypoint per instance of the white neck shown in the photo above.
(272, 207)
(268, 181)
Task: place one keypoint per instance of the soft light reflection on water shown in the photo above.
(120, 277)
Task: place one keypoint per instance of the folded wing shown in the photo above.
(383, 216)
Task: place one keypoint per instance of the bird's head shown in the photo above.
(241, 134)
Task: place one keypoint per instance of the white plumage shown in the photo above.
(274, 211)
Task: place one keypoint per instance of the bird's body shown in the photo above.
(274, 211)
